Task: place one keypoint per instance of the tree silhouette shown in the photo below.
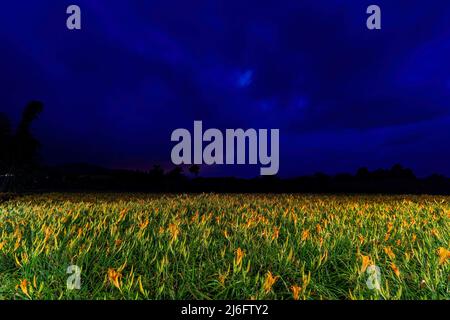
(5, 142)
(25, 145)
(398, 172)
(157, 172)
(19, 150)
(195, 169)
(363, 173)
(175, 173)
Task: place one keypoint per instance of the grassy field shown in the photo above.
(225, 247)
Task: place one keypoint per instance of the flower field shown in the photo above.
(213, 246)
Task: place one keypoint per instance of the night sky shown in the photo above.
(342, 96)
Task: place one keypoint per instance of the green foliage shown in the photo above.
(224, 246)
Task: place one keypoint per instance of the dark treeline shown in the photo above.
(20, 171)
(82, 177)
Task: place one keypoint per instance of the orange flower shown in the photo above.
(222, 278)
(276, 233)
(305, 235)
(296, 292)
(435, 233)
(18, 243)
(361, 239)
(144, 224)
(269, 282)
(444, 254)
(414, 237)
(390, 226)
(320, 241)
(114, 277)
(24, 286)
(389, 252)
(395, 269)
(318, 228)
(174, 231)
(365, 262)
(239, 256)
(194, 217)
(48, 232)
(122, 214)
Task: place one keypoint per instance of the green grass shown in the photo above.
(224, 246)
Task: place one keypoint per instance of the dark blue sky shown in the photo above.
(341, 95)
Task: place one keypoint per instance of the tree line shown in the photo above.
(21, 170)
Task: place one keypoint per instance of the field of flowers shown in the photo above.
(124, 246)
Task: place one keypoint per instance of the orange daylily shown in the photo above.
(305, 235)
(296, 292)
(269, 282)
(444, 254)
(395, 269)
(24, 286)
(114, 277)
(365, 262)
(389, 252)
(239, 256)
